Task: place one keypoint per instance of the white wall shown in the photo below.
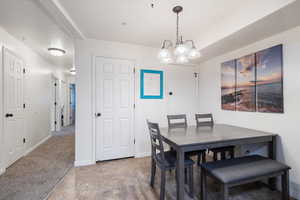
(37, 93)
(287, 124)
(178, 79)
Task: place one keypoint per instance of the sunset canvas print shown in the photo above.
(245, 84)
(269, 80)
(228, 82)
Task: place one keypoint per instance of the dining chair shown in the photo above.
(180, 121)
(166, 160)
(207, 120)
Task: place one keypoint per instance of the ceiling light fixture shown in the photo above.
(183, 50)
(56, 51)
(73, 71)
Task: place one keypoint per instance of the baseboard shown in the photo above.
(295, 190)
(38, 144)
(143, 154)
(80, 163)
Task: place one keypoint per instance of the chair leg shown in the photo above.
(199, 159)
(185, 175)
(225, 194)
(203, 185)
(163, 184)
(203, 157)
(153, 171)
(232, 153)
(191, 181)
(285, 186)
(223, 155)
(215, 156)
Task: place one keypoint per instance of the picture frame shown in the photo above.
(151, 84)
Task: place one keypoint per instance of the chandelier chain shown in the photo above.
(177, 29)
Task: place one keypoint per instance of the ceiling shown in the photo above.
(27, 21)
(217, 26)
(205, 21)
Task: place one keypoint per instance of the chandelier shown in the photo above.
(183, 50)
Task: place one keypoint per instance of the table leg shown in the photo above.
(180, 174)
(273, 155)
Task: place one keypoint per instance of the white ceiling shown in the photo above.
(216, 26)
(205, 21)
(27, 21)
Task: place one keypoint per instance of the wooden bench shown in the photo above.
(243, 170)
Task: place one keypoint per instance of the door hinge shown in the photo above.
(196, 75)
(55, 122)
(133, 70)
(24, 105)
(133, 141)
(55, 103)
(55, 84)
(24, 140)
(24, 70)
(133, 106)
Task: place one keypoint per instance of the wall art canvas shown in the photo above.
(245, 84)
(228, 83)
(269, 84)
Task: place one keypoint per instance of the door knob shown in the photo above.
(98, 115)
(9, 115)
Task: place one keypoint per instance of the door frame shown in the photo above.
(4, 110)
(93, 111)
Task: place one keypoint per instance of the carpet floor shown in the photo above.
(34, 176)
(128, 179)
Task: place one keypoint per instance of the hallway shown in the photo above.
(35, 175)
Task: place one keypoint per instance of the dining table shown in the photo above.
(194, 138)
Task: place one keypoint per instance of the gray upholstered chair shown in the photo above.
(207, 120)
(180, 121)
(166, 161)
(238, 171)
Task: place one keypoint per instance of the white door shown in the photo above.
(13, 106)
(114, 100)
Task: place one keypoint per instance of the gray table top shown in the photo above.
(207, 135)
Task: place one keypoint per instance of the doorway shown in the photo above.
(72, 103)
(114, 108)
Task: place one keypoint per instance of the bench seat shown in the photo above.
(240, 169)
(243, 170)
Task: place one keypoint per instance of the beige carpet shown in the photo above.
(34, 176)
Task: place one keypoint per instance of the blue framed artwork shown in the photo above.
(152, 84)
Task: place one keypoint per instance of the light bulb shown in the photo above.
(167, 60)
(180, 50)
(182, 59)
(164, 53)
(194, 53)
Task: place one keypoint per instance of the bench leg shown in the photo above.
(285, 186)
(203, 184)
(225, 193)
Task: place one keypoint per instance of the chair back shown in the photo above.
(201, 117)
(173, 121)
(157, 146)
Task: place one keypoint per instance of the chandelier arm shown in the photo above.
(191, 41)
(167, 44)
